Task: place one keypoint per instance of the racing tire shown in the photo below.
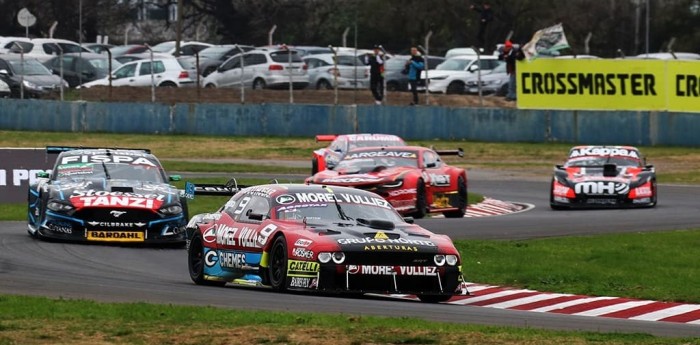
(210, 86)
(195, 262)
(259, 84)
(314, 166)
(462, 200)
(434, 298)
(323, 84)
(185, 209)
(421, 203)
(455, 88)
(653, 191)
(278, 264)
(552, 205)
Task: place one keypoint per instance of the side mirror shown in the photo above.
(430, 165)
(409, 220)
(3, 72)
(175, 177)
(473, 68)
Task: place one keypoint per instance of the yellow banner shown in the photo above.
(684, 86)
(608, 84)
(115, 236)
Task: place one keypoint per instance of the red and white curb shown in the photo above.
(490, 296)
(492, 207)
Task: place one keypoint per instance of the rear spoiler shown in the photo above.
(458, 152)
(59, 149)
(325, 137)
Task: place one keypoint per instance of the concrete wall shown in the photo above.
(475, 124)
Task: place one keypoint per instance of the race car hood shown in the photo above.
(616, 174)
(380, 175)
(115, 194)
(378, 235)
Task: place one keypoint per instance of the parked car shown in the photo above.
(451, 75)
(460, 51)
(11, 44)
(495, 82)
(668, 56)
(127, 49)
(345, 71)
(186, 48)
(167, 72)
(99, 48)
(603, 176)
(394, 76)
(211, 58)
(45, 48)
(141, 56)
(4, 89)
(34, 78)
(261, 69)
(81, 68)
(319, 239)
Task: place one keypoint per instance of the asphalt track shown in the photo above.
(158, 275)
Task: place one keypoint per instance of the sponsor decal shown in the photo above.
(232, 259)
(285, 199)
(643, 192)
(190, 190)
(260, 191)
(60, 227)
(116, 213)
(402, 192)
(115, 201)
(343, 198)
(423, 271)
(302, 266)
(209, 235)
(225, 235)
(74, 169)
(210, 257)
(372, 137)
(351, 179)
(560, 190)
(303, 282)
(383, 153)
(398, 241)
(116, 224)
(104, 158)
(120, 236)
(302, 242)
(603, 151)
(302, 253)
(601, 188)
(441, 201)
(381, 236)
(439, 179)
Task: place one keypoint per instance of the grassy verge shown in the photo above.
(31, 320)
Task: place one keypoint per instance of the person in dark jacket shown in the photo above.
(415, 66)
(376, 73)
(510, 55)
(485, 17)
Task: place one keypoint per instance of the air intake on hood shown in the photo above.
(123, 189)
(610, 170)
(377, 224)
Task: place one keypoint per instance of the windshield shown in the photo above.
(327, 210)
(602, 160)
(349, 60)
(214, 52)
(453, 65)
(103, 64)
(125, 171)
(31, 67)
(163, 47)
(283, 56)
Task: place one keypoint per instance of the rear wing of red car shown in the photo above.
(325, 137)
(458, 152)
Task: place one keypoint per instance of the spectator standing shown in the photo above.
(510, 55)
(485, 17)
(415, 65)
(375, 61)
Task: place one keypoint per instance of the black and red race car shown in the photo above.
(328, 157)
(603, 176)
(413, 179)
(316, 238)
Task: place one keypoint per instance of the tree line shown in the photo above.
(616, 26)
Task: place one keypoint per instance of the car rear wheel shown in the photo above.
(210, 86)
(323, 84)
(434, 298)
(421, 204)
(461, 200)
(552, 205)
(168, 84)
(196, 262)
(278, 264)
(455, 88)
(653, 194)
(259, 84)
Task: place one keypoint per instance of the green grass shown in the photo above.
(35, 320)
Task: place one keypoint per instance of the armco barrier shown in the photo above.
(302, 120)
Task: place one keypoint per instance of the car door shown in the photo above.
(230, 73)
(125, 75)
(255, 65)
(144, 76)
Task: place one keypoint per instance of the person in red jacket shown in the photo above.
(510, 55)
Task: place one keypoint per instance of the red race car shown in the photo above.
(327, 158)
(413, 179)
(603, 176)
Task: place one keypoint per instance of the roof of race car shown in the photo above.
(604, 151)
(371, 137)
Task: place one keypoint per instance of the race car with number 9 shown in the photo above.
(314, 238)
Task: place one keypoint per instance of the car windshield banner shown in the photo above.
(18, 168)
